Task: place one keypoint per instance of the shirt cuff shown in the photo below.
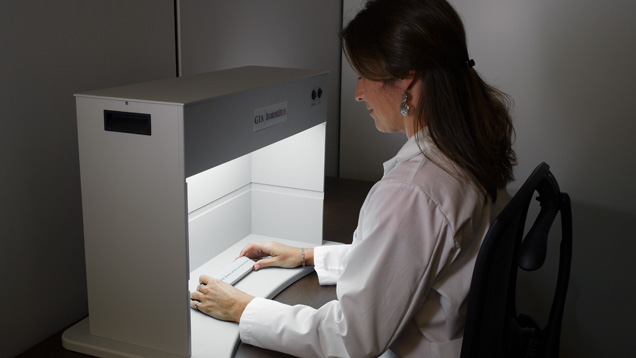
(329, 262)
(253, 324)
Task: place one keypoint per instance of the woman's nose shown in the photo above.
(359, 95)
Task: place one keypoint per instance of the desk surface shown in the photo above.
(343, 199)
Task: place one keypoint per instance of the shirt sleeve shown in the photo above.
(329, 262)
(401, 245)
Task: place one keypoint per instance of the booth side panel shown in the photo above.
(214, 229)
(135, 226)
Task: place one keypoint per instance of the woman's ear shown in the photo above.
(407, 82)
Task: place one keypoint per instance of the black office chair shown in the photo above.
(493, 326)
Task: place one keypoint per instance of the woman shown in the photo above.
(402, 284)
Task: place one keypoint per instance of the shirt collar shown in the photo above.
(410, 149)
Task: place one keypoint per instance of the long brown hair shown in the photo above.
(467, 119)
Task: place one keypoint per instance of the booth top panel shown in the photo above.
(202, 87)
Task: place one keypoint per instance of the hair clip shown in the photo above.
(470, 63)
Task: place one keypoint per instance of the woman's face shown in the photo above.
(383, 102)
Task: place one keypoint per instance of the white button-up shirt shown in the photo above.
(402, 283)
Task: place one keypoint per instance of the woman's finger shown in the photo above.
(219, 300)
(255, 250)
(205, 280)
(246, 250)
(196, 296)
(268, 262)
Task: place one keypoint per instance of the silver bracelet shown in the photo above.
(302, 250)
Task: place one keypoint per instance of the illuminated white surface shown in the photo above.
(295, 162)
(214, 183)
(214, 338)
(275, 191)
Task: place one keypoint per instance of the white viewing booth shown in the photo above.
(177, 176)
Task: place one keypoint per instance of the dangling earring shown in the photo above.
(404, 108)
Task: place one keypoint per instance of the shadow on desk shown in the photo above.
(343, 199)
(306, 291)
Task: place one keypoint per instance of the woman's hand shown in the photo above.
(219, 299)
(281, 255)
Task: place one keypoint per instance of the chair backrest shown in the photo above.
(493, 326)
